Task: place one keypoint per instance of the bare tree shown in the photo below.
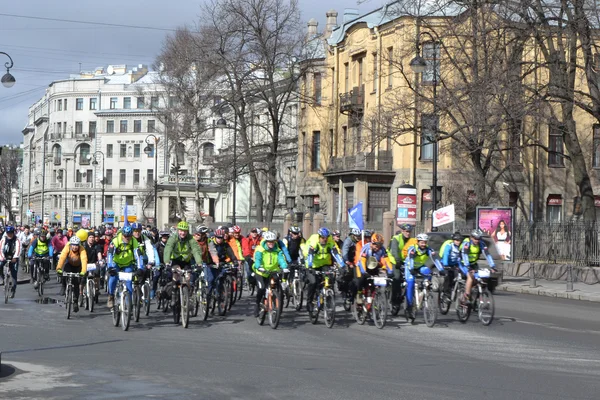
(10, 159)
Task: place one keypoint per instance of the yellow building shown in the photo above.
(365, 118)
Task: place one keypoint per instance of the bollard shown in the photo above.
(569, 278)
(287, 223)
(532, 283)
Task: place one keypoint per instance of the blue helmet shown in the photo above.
(10, 228)
(406, 227)
(127, 231)
(136, 226)
(323, 232)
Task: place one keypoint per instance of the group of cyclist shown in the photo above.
(360, 255)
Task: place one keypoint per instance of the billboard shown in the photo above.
(498, 223)
(407, 206)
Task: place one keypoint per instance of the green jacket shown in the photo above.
(270, 260)
(182, 250)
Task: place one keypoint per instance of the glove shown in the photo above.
(286, 271)
(59, 271)
(443, 273)
(82, 273)
(261, 269)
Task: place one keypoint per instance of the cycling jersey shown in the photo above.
(268, 259)
(321, 255)
(380, 255)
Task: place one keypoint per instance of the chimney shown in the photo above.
(312, 28)
(331, 22)
(350, 14)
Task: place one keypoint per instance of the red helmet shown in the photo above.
(236, 229)
(219, 233)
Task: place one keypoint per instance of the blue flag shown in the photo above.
(355, 216)
(125, 218)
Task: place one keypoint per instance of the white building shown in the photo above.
(104, 121)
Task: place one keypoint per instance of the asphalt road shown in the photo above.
(537, 348)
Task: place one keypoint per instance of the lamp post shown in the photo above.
(8, 80)
(102, 181)
(37, 182)
(419, 66)
(64, 181)
(148, 150)
(221, 123)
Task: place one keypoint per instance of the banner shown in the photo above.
(443, 216)
(498, 222)
(355, 217)
(406, 206)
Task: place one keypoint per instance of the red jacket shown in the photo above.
(249, 245)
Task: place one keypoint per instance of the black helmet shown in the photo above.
(457, 236)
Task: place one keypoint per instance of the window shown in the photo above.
(555, 146)
(59, 127)
(122, 177)
(317, 88)
(129, 200)
(428, 131)
(316, 151)
(65, 127)
(596, 149)
(515, 142)
(110, 126)
(344, 144)
(109, 176)
(304, 152)
(109, 151)
(154, 102)
(390, 66)
(331, 144)
(431, 54)
(81, 201)
(127, 103)
(137, 126)
(375, 73)
(208, 152)
(92, 128)
(59, 105)
(333, 77)
(113, 103)
(136, 176)
(79, 103)
(151, 126)
(137, 150)
(173, 101)
(150, 176)
(84, 154)
(123, 126)
(179, 154)
(554, 208)
(346, 78)
(378, 203)
(65, 104)
(122, 150)
(151, 152)
(140, 102)
(78, 127)
(360, 71)
(108, 202)
(93, 101)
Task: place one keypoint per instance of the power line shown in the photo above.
(87, 22)
(50, 49)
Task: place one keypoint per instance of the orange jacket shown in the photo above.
(236, 246)
(74, 260)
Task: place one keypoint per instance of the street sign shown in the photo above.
(443, 216)
(406, 206)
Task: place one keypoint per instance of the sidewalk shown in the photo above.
(580, 291)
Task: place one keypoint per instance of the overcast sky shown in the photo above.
(44, 50)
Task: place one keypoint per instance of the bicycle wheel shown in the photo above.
(379, 309)
(185, 306)
(126, 310)
(136, 300)
(228, 292)
(329, 308)
(276, 307)
(7, 288)
(69, 301)
(240, 284)
(287, 297)
(41, 288)
(262, 312)
(429, 309)
(486, 307)
(176, 307)
(146, 297)
(298, 294)
(91, 291)
(359, 311)
(314, 312)
(463, 311)
(223, 297)
(116, 310)
(444, 306)
(233, 292)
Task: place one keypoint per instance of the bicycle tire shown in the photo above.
(82, 301)
(91, 294)
(486, 307)
(126, 312)
(360, 315)
(147, 301)
(69, 301)
(176, 308)
(185, 306)
(442, 305)
(429, 309)
(204, 306)
(276, 307)
(7, 288)
(347, 302)
(136, 300)
(379, 309)
(41, 288)
(298, 294)
(228, 288)
(223, 298)
(233, 292)
(314, 313)
(240, 285)
(262, 313)
(288, 297)
(463, 311)
(329, 308)
(116, 313)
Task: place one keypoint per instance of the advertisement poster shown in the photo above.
(498, 223)
(85, 220)
(407, 206)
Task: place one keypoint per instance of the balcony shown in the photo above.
(353, 101)
(57, 160)
(383, 161)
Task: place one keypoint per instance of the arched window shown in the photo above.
(57, 154)
(179, 154)
(84, 154)
(208, 152)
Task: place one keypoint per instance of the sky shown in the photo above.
(44, 50)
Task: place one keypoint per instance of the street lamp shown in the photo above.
(102, 181)
(8, 80)
(63, 178)
(419, 66)
(37, 182)
(222, 124)
(149, 150)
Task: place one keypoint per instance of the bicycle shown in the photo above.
(90, 294)
(237, 284)
(482, 300)
(162, 301)
(39, 266)
(69, 291)
(298, 284)
(373, 299)
(202, 297)
(121, 310)
(181, 296)
(233, 274)
(8, 281)
(423, 300)
(272, 302)
(324, 299)
(222, 285)
(140, 298)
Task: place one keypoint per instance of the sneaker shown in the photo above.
(62, 291)
(111, 302)
(256, 309)
(76, 305)
(410, 314)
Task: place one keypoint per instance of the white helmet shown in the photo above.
(422, 237)
(270, 236)
(75, 241)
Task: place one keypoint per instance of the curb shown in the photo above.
(541, 291)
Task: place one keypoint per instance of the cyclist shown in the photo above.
(10, 251)
(40, 248)
(268, 258)
(321, 251)
(249, 245)
(58, 242)
(294, 242)
(337, 238)
(123, 254)
(160, 249)
(221, 253)
(366, 268)
(397, 246)
(451, 259)
(362, 242)
(414, 263)
(182, 250)
(349, 255)
(148, 252)
(470, 250)
(94, 256)
(74, 259)
(201, 236)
